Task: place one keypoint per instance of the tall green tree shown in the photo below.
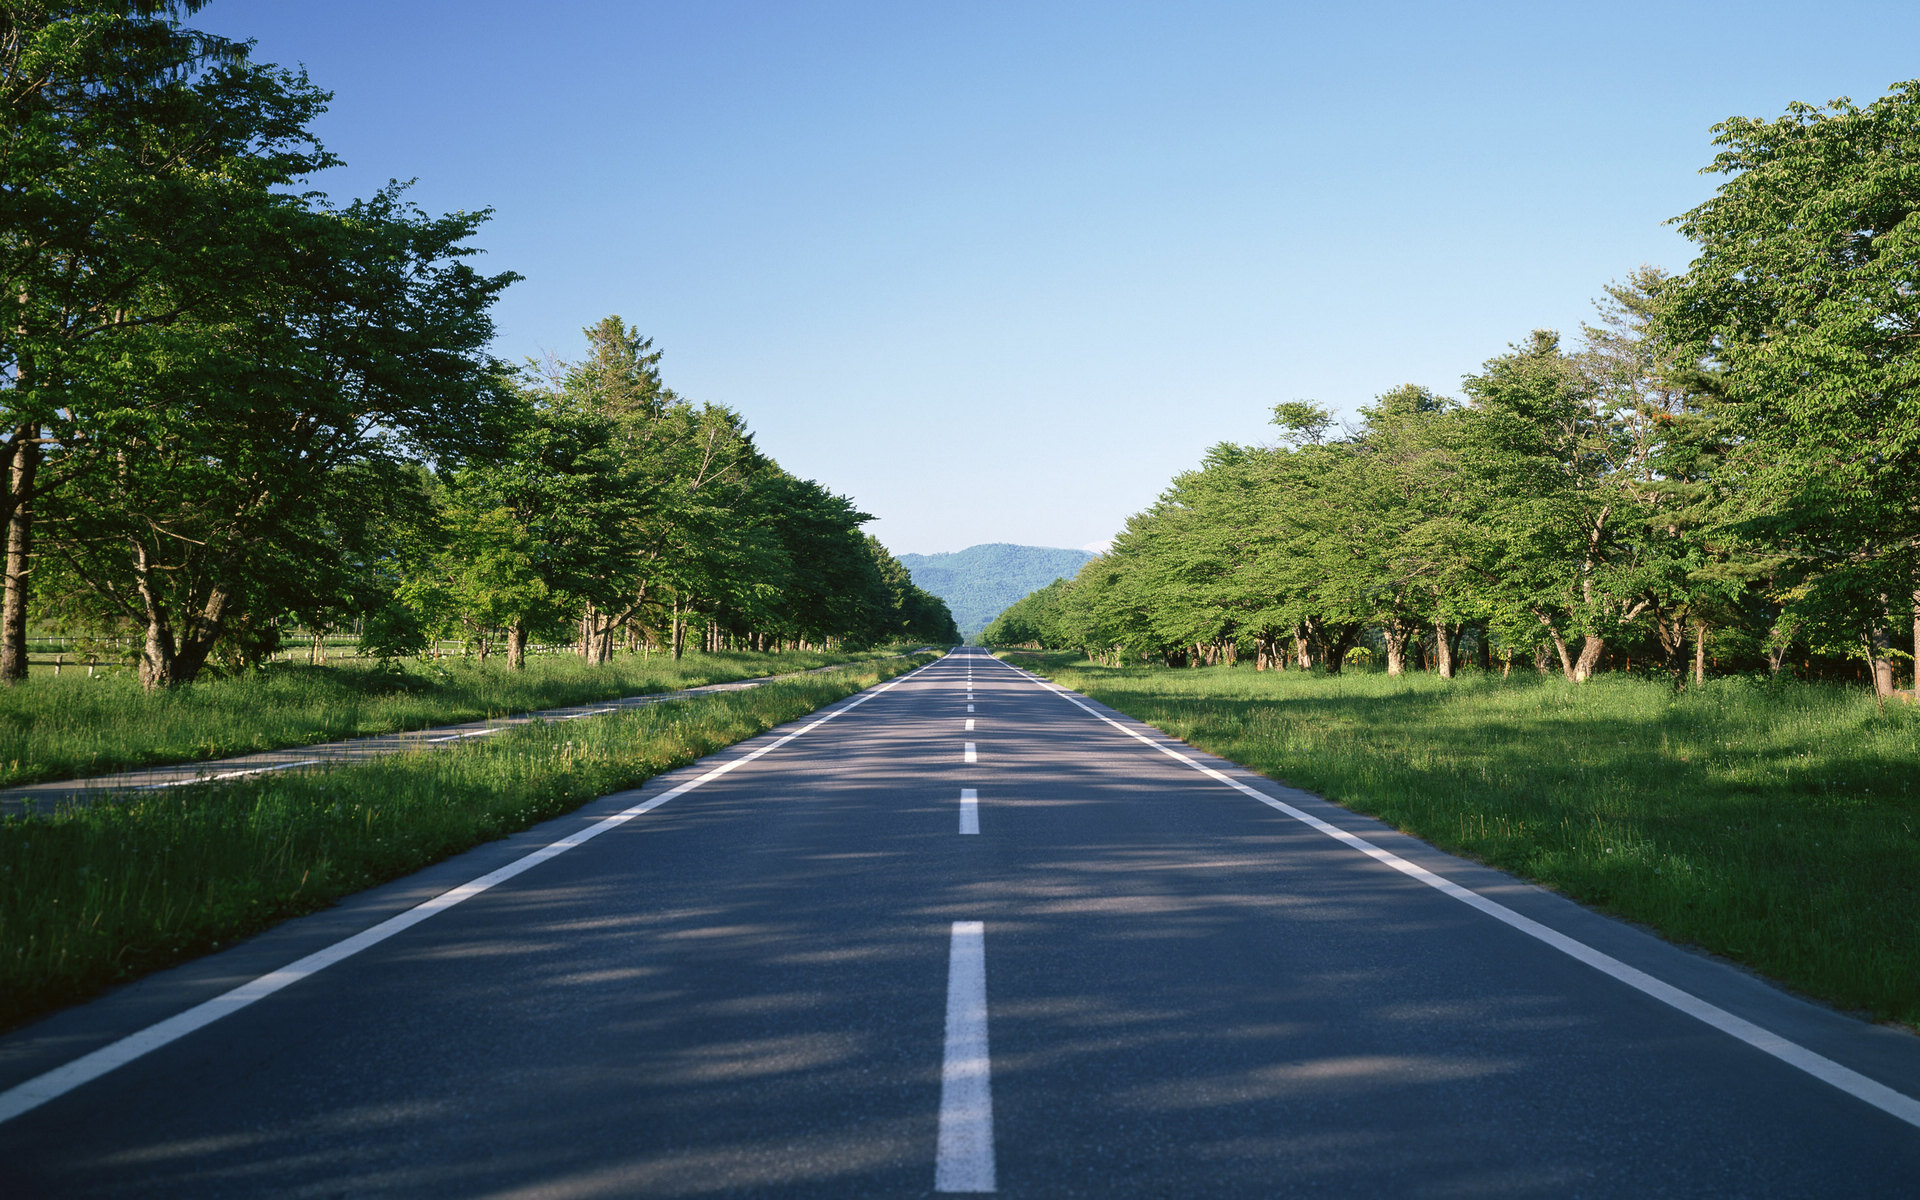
(250, 443)
(142, 165)
(677, 531)
(1802, 314)
(1559, 472)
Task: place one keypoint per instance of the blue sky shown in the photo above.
(998, 271)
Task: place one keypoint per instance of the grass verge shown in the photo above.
(72, 726)
(99, 894)
(1775, 824)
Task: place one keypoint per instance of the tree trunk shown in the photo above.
(1334, 643)
(1590, 650)
(1559, 647)
(1699, 653)
(156, 657)
(1880, 653)
(1780, 645)
(1395, 634)
(1576, 670)
(517, 645)
(679, 632)
(1542, 655)
(1302, 649)
(170, 657)
(1672, 632)
(13, 605)
(203, 632)
(1776, 659)
(1483, 644)
(1443, 639)
(1916, 645)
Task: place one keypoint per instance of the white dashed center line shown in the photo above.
(964, 1158)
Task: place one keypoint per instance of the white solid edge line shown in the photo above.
(1895, 1104)
(963, 1158)
(174, 783)
(27, 1096)
(472, 733)
(969, 811)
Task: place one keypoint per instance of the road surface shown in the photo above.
(959, 933)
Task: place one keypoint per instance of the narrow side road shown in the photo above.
(29, 796)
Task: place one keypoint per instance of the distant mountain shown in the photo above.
(978, 583)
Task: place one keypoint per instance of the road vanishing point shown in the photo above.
(964, 932)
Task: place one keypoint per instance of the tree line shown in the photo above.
(1725, 464)
(228, 405)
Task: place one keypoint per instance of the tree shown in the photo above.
(250, 443)
(1802, 314)
(905, 610)
(674, 525)
(139, 163)
(1404, 483)
(821, 578)
(1033, 620)
(1559, 472)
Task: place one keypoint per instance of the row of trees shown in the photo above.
(613, 512)
(227, 405)
(1728, 463)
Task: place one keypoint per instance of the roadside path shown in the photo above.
(47, 794)
(963, 932)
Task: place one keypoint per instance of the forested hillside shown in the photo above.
(1721, 472)
(980, 581)
(229, 408)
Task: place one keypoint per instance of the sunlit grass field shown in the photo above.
(73, 726)
(99, 894)
(1775, 824)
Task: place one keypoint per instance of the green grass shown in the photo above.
(1775, 824)
(72, 726)
(94, 895)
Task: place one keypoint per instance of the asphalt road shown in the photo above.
(803, 978)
